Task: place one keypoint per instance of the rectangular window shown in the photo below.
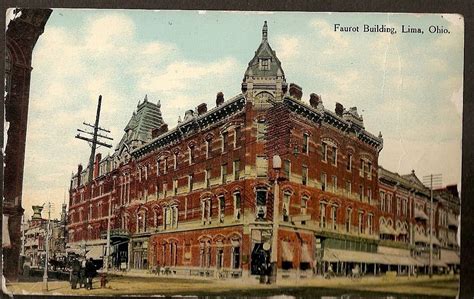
(404, 207)
(225, 136)
(262, 166)
(191, 154)
(224, 173)
(382, 201)
(369, 195)
(349, 162)
(334, 156)
(287, 169)
(362, 167)
(165, 166)
(237, 204)
(334, 184)
(389, 203)
(208, 148)
(261, 197)
(348, 188)
(175, 161)
(324, 153)
(361, 192)
(361, 223)
(236, 169)
(208, 178)
(322, 215)
(236, 137)
(368, 170)
(261, 131)
(221, 208)
(398, 205)
(334, 217)
(348, 220)
(265, 63)
(175, 186)
(323, 181)
(369, 223)
(190, 182)
(305, 144)
(304, 175)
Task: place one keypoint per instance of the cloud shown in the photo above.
(105, 56)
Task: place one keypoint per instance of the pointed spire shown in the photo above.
(146, 98)
(158, 104)
(264, 31)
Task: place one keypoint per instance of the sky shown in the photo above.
(407, 86)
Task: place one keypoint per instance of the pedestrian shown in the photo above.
(91, 271)
(82, 274)
(75, 272)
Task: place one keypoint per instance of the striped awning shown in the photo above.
(450, 257)
(94, 252)
(338, 255)
(425, 261)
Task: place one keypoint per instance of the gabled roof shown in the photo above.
(147, 117)
(264, 51)
(414, 179)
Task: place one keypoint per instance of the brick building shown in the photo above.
(263, 171)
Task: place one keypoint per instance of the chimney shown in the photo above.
(159, 131)
(314, 100)
(339, 109)
(202, 108)
(155, 132)
(296, 91)
(219, 99)
(79, 170)
(98, 157)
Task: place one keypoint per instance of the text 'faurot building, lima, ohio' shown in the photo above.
(262, 176)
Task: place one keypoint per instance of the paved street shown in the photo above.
(446, 286)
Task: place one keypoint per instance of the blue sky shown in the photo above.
(407, 86)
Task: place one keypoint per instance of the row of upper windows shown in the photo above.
(386, 204)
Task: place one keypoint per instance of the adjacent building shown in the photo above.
(265, 176)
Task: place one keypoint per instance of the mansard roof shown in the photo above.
(264, 51)
(193, 124)
(322, 115)
(144, 119)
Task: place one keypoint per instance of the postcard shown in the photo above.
(173, 152)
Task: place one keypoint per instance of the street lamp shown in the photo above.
(276, 203)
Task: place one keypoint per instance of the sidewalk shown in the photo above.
(423, 285)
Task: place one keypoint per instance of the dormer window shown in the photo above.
(265, 64)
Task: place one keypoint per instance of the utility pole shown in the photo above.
(276, 219)
(432, 180)
(45, 273)
(93, 141)
(107, 249)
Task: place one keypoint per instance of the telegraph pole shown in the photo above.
(94, 142)
(45, 273)
(432, 180)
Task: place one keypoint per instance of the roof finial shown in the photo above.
(264, 31)
(146, 98)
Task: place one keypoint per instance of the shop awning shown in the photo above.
(332, 255)
(421, 214)
(425, 261)
(287, 254)
(94, 252)
(400, 260)
(388, 230)
(305, 255)
(421, 238)
(450, 257)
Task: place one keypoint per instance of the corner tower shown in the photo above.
(264, 80)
